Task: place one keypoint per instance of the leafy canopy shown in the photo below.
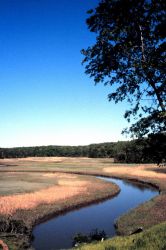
(129, 55)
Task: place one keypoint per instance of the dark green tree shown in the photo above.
(129, 55)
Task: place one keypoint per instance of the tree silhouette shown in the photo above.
(129, 55)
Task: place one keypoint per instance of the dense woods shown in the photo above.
(146, 150)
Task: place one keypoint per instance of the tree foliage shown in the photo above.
(144, 150)
(129, 55)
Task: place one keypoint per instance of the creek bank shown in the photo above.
(23, 221)
(47, 211)
(100, 216)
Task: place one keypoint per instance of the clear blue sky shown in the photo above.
(45, 96)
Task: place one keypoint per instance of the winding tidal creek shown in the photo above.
(58, 232)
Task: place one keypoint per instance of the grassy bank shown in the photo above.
(152, 239)
(35, 197)
(33, 175)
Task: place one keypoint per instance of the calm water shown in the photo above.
(58, 232)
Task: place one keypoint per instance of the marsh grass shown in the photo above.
(29, 175)
(152, 239)
(63, 188)
(59, 192)
(10, 204)
(146, 215)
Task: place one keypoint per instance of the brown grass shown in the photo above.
(63, 188)
(60, 175)
(153, 211)
(66, 189)
(147, 172)
(139, 170)
(44, 171)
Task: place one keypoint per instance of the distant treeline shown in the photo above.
(145, 150)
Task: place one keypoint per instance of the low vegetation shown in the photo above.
(94, 235)
(66, 190)
(37, 196)
(145, 216)
(32, 178)
(153, 239)
(10, 204)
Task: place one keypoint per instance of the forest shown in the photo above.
(144, 150)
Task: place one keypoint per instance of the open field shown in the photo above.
(32, 179)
